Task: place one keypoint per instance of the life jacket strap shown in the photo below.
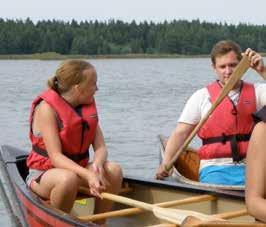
(74, 157)
(234, 139)
(235, 151)
(224, 138)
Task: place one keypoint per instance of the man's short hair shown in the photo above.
(223, 47)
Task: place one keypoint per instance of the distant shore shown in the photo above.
(56, 56)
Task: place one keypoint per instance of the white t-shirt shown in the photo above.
(199, 104)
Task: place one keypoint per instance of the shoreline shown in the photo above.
(56, 56)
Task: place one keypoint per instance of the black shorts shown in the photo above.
(260, 115)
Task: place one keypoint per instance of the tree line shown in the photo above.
(118, 37)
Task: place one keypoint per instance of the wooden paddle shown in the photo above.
(176, 216)
(239, 71)
(135, 210)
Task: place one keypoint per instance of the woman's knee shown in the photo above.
(114, 169)
(55, 179)
(68, 178)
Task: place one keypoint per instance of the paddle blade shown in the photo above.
(178, 216)
(170, 215)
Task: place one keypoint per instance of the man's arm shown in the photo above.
(176, 140)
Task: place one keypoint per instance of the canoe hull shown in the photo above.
(40, 213)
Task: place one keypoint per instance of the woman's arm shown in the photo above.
(45, 117)
(99, 147)
(47, 125)
(256, 173)
(100, 156)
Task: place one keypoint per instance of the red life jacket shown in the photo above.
(227, 131)
(76, 131)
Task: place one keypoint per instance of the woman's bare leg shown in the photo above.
(113, 174)
(58, 185)
(256, 173)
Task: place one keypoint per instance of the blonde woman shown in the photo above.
(63, 125)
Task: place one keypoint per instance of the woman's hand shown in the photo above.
(99, 170)
(95, 184)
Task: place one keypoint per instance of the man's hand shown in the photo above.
(162, 172)
(256, 62)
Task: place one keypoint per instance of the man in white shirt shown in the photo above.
(226, 133)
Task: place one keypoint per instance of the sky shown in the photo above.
(229, 11)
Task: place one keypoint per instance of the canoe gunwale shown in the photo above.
(186, 187)
(12, 159)
(22, 188)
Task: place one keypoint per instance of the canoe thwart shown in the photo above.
(132, 211)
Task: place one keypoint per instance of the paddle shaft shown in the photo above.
(173, 215)
(128, 201)
(132, 211)
(162, 213)
(232, 214)
(239, 71)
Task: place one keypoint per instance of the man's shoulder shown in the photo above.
(259, 85)
(199, 97)
(202, 92)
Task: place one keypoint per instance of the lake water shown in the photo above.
(137, 100)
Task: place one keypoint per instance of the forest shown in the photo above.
(115, 37)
